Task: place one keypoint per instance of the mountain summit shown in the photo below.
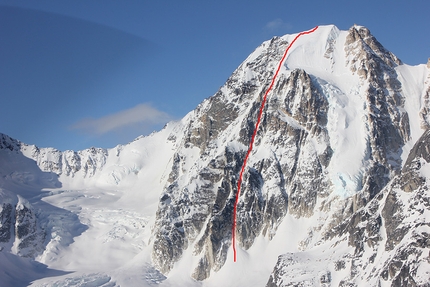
(335, 191)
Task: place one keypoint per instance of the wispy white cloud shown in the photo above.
(143, 115)
(278, 24)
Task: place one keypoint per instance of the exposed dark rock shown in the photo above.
(392, 223)
(312, 110)
(6, 217)
(27, 231)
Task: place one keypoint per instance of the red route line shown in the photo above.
(255, 133)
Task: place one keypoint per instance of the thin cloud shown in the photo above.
(143, 115)
(278, 24)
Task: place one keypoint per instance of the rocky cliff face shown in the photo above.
(20, 230)
(384, 242)
(342, 151)
(296, 166)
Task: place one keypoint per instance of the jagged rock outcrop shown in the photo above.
(6, 223)
(388, 123)
(29, 236)
(388, 238)
(20, 231)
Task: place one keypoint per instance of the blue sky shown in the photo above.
(82, 73)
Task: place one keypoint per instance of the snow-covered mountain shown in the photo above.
(335, 192)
